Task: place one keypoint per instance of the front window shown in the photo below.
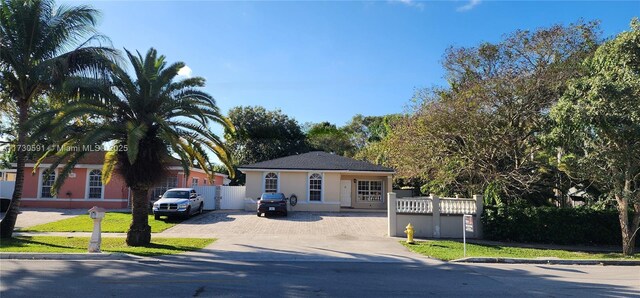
(271, 183)
(370, 191)
(47, 182)
(315, 187)
(194, 182)
(169, 183)
(95, 184)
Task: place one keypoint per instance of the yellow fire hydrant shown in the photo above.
(409, 232)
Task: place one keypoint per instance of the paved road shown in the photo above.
(175, 278)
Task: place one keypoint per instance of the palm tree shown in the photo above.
(144, 119)
(40, 46)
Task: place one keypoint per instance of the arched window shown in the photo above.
(271, 182)
(95, 184)
(47, 182)
(315, 187)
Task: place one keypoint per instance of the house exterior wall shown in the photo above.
(30, 189)
(298, 183)
(355, 203)
(73, 192)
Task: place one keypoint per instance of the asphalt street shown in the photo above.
(180, 277)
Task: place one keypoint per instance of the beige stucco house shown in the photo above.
(321, 181)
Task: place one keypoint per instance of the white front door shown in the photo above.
(345, 193)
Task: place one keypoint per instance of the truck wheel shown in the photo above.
(201, 208)
(258, 213)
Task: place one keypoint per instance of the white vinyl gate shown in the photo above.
(6, 189)
(231, 197)
(208, 193)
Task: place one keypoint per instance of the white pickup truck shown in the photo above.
(182, 202)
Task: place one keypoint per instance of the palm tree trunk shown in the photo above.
(139, 233)
(8, 223)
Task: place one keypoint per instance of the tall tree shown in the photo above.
(146, 117)
(325, 136)
(365, 130)
(262, 135)
(484, 129)
(41, 45)
(598, 125)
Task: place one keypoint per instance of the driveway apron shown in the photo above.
(302, 236)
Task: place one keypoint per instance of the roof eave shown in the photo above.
(320, 170)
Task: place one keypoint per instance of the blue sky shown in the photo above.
(327, 61)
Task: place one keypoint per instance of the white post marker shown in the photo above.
(97, 214)
(467, 226)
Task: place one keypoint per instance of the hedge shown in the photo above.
(552, 225)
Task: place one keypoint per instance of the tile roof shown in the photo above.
(317, 160)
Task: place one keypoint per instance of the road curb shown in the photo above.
(549, 261)
(65, 256)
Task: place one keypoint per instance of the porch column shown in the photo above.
(391, 214)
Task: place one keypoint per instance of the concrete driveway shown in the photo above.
(32, 217)
(302, 236)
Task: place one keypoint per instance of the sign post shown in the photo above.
(467, 226)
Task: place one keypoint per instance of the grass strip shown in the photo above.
(447, 250)
(56, 244)
(113, 222)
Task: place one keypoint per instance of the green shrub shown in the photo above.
(552, 225)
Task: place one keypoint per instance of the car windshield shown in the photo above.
(272, 196)
(178, 194)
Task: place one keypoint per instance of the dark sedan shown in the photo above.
(272, 203)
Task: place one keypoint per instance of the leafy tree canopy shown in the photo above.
(484, 128)
(262, 135)
(597, 124)
(325, 136)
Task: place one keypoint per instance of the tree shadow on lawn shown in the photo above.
(26, 241)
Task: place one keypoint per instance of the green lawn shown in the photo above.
(113, 222)
(447, 250)
(54, 244)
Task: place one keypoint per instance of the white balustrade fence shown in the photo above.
(433, 216)
(457, 206)
(424, 205)
(415, 205)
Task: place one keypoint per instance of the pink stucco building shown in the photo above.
(84, 188)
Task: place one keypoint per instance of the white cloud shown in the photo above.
(469, 6)
(410, 3)
(185, 71)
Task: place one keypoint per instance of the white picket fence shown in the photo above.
(231, 197)
(6, 189)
